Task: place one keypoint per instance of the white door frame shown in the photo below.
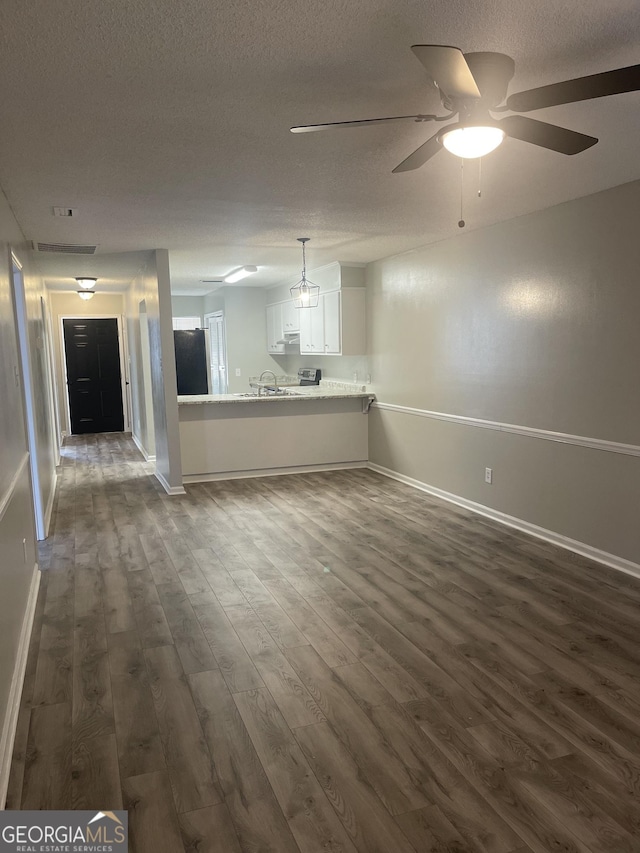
(124, 368)
(17, 279)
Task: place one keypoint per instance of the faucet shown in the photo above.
(275, 380)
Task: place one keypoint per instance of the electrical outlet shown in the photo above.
(488, 475)
(238, 371)
(355, 375)
(368, 379)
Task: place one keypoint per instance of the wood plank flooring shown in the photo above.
(324, 662)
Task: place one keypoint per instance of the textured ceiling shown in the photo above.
(166, 125)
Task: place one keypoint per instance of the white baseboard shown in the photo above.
(49, 509)
(270, 472)
(170, 490)
(574, 545)
(15, 691)
(141, 448)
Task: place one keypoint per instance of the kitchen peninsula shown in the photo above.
(302, 429)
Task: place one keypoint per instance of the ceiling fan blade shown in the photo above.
(581, 89)
(448, 68)
(420, 155)
(308, 128)
(545, 135)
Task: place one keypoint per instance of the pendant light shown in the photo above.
(305, 294)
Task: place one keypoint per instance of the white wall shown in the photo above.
(533, 322)
(188, 306)
(17, 561)
(246, 332)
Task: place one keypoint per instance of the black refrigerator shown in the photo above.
(191, 361)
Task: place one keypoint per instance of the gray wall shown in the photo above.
(16, 508)
(532, 322)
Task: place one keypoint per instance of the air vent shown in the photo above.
(65, 211)
(64, 248)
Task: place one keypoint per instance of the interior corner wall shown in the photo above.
(153, 286)
(531, 323)
(163, 371)
(17, 562)
(42, 379)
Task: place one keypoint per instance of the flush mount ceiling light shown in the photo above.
(305, 294)
(239, 274)
(471, 141)
(86, 294)
(85, 282)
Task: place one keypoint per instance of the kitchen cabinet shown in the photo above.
(312, 329)
(290, 317)
(274, 328)
(336, 326)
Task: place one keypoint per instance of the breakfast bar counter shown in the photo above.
(300, 429)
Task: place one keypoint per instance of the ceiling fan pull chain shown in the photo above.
(461, 220)
(479, 177)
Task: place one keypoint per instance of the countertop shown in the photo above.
(327, 390)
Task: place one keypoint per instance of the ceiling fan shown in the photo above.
(472, 86)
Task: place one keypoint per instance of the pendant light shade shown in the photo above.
(85, 282)
(86, 294)
(305, 294)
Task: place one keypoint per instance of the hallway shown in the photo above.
(323, 662)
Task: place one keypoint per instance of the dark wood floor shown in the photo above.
(324, 662)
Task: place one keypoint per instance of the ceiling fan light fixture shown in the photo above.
(86, 294)
(305, 294)
(86, 282)
(474, 141)
(239, 274)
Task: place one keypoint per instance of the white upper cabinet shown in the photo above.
(290, 317)
(311, 329)
(332, 336)
(274, 328)
(336, 326)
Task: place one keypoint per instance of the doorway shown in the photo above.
(217, 352)
(93, 374)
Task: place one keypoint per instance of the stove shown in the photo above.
(309, 376)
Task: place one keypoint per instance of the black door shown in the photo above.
(93, 375)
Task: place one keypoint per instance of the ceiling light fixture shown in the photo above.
(86, 294)
(472, 141)
(86, 283)
(239, 274)
(305, 294)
